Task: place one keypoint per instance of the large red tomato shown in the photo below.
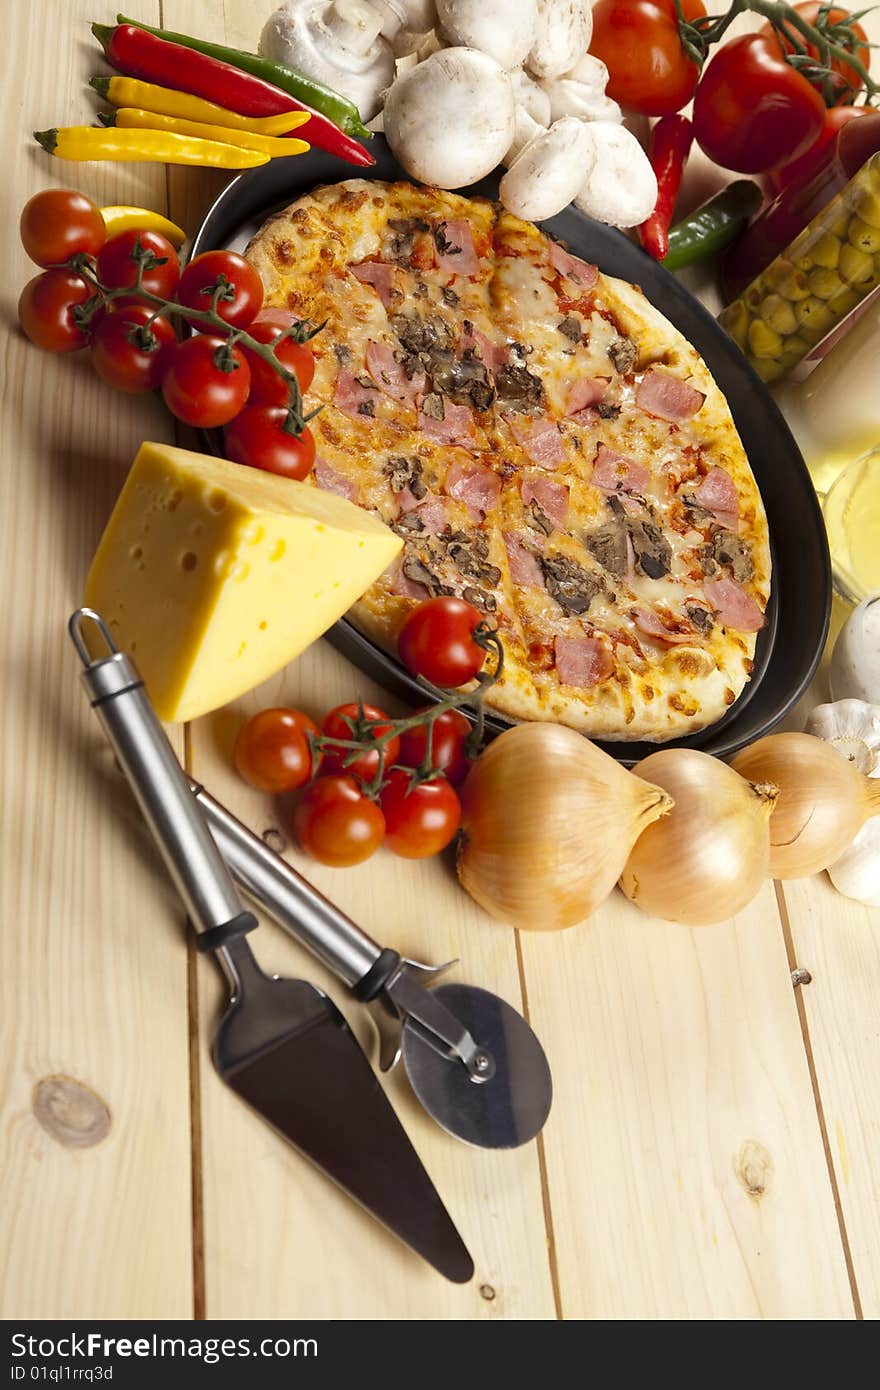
(850, 81)
(753, 111)
(639, 43)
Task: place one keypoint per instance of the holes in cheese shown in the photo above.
(217, 575)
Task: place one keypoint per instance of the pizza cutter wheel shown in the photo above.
(471, 1059)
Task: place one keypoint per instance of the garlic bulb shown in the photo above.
(855, 661)
(824, 800)
(853, 728)
(548, 821)
(708, 859)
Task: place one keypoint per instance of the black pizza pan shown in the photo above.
(789, 647)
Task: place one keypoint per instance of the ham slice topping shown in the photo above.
(667, 397)
(571, 267)
(390, 376)
(434, 515)
(353, 398)
(524, 565)
(541, 440)
(477, 487)
(582, 661)
(490, 354)
(456, 427)
(717, 493)
(330, 481)
(614, 472)
(380, 276)
(456, 252)
(735, 607)
(652, 626)
(551, 498)
(400, 583)
(585, 392)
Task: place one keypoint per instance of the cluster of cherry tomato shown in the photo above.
(754, 110)
(356, 799)
(212, 378)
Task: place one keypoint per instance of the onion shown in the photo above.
(548, 822)
(708, 859)
(823, 800)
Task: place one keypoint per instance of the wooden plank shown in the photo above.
(686, 1170)
(93, 970)
(299, 1243)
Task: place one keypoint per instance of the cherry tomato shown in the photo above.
(117, 270)
(336, 725)
(240, 301)
(752, 110)
(450, 733)
(268, 387)
(436, 642)
(848, 81)
(801, 170)
(45, 310)
(257, 437)
(272, 750)
(199, 391)
(419, 821)
(639, 43)
(59, 223)
(120, 357)
(336, 824)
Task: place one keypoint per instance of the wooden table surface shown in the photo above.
(714, 1145)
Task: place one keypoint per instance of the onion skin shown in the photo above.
(707, 860)
(548, 821)
(823, 800)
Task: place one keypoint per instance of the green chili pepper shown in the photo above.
(713, 226)
(336, 108)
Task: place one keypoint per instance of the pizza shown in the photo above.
(548, 446)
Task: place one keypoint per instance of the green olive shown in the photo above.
(764, 341)
(824, 252)
(735, 321)
(824, 284)
(841, 304)
(863, 236)
(779, 313)
(814, 317)
(768, 368)
(841, 226)
(867, 204)
(787, 280)
(855, 266)
(796, 346)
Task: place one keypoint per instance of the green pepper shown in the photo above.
(336, 108)
(713, 226)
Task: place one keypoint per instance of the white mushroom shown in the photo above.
(525, 129)
(338, 43)
(415, 16)
(549, 171)
(562, 36)
(504, 31)
(531, 97)
(622, 187)
(450, 120)
(581, 92)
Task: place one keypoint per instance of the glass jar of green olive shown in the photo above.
(829, 268)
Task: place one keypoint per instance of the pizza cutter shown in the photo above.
(472, 1060)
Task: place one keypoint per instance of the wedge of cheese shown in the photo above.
(212, 576)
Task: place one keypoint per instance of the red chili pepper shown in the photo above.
(138, 54)
(671, 141)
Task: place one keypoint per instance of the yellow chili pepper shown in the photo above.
(97, 142)
(130, 118)
(121, 219)
(147, 96)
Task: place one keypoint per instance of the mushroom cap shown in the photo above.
(504, 31)
(531, 97)
(562, 36)
(549, 172)
(450, 120)
(621, 188)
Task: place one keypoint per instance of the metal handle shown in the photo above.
(299, 908)
(156, 778)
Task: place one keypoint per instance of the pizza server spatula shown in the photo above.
(282, 1045)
